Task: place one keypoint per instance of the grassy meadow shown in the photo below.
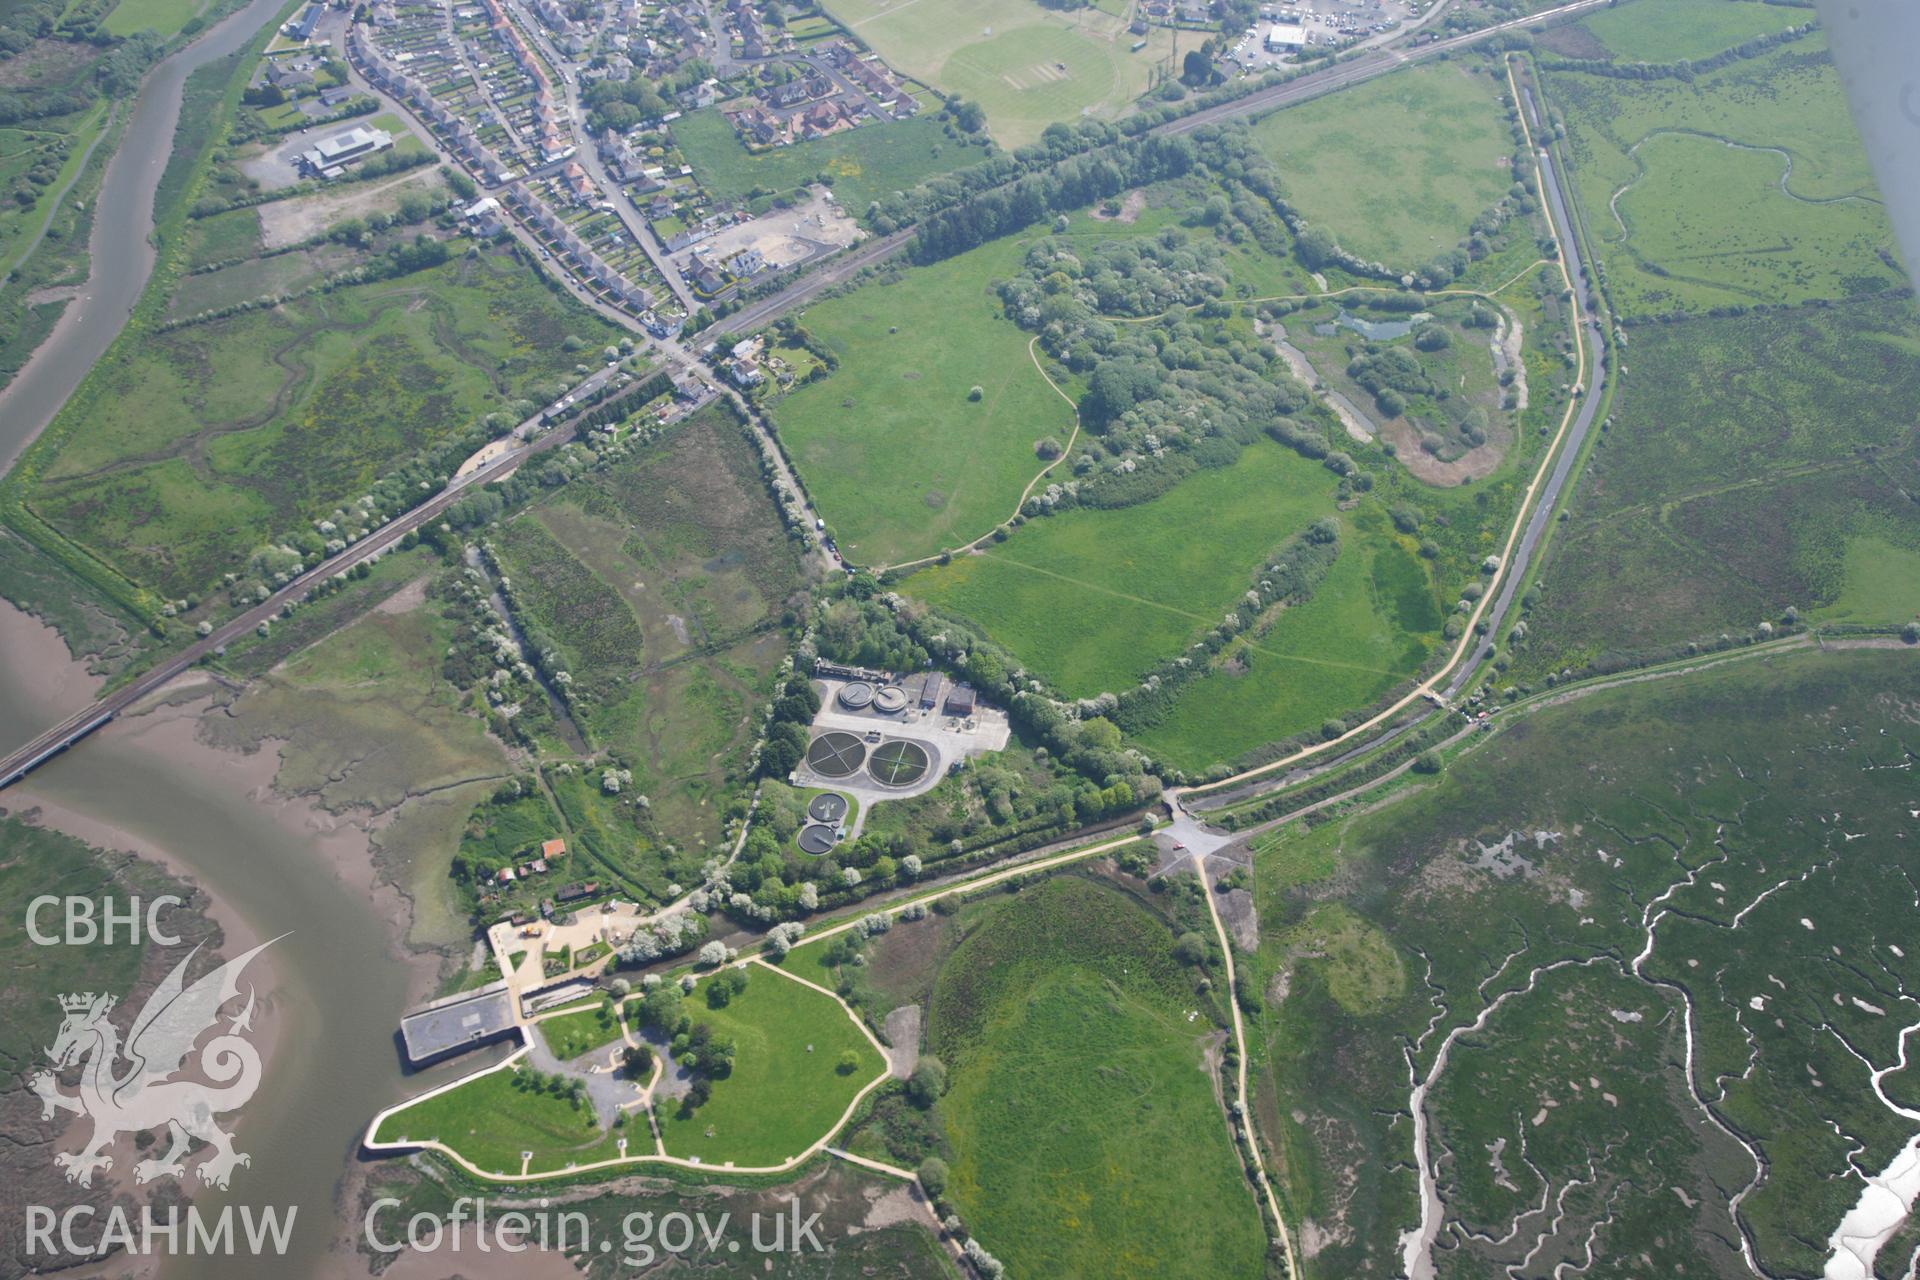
(163, 16)
(1675, 30)
(174, 476)
(1080, 1110)
(492, 1119)
(787, 1089)
(1753, 464)
(662, 581)
(1367, 628)
(1091, 599)
(860, 165)
(900, 460)
(1396, 168)
(1744, 186)
(572, 1034)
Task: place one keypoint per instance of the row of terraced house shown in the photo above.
(588, 267)
(460, 136)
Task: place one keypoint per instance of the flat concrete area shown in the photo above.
(457, 1023)
(946, 739)
(784, 237)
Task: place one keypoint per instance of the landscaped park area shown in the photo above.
(1354, 451)
(798, 1062)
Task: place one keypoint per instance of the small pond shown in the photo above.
(1371, 330)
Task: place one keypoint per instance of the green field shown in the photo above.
(663, 582)
(1027, 66)
(1091, 599)
(1752, 461)
(1675, 30)
(1080, 1111)
(572, 1034)
(786, 1091)
(1396, 168)
(222, 238)
(860, 166)
(492, 1119)
(1744, 186)
(254, 278)
(1544, 847)
(163, 16)
(175, 477)
(1367, 628)
(900, 461)
(365, 718)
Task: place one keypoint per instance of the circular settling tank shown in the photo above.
(836, 754)
(899, 764)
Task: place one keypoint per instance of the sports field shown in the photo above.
(1025, 65)
(1397, 168)
(1092, 599)
(901, 461)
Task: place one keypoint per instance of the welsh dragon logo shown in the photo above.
(141, 1095)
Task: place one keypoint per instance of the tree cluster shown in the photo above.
(787, 730)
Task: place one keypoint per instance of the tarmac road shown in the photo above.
(1556, 485)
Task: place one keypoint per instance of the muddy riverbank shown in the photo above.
(272, 866)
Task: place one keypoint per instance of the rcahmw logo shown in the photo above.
(137, 1087)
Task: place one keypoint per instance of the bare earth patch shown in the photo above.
(1130, 206)
(903, 1038)
(406, 599)
(1475, 464)
(285, 222)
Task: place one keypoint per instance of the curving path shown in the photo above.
(1537, 503)
(59, 197)
(372, 1142)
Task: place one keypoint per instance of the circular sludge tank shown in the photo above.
(836, 754)
(899, 764)
(855, 694)
(828, 809)
(816, 838)
(892, 699)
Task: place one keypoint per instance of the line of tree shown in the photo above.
(1685, 69)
